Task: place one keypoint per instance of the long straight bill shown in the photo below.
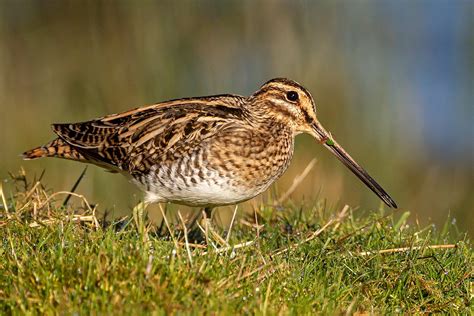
(349, 162)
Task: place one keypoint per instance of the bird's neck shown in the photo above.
(270, 121)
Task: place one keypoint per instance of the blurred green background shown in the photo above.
(393, 81)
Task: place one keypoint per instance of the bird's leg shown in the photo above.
(199, 230)
(208, 212)
(206, 222)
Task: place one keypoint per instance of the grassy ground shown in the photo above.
(289, 259)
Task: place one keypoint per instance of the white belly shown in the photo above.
(211, 190)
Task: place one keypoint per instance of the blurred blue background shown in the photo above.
(393, 81)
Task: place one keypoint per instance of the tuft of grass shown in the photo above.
(285, 259)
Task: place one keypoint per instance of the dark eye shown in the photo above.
(292, 96)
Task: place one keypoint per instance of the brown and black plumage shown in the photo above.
(204, 151)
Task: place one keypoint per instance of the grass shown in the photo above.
(281, 260)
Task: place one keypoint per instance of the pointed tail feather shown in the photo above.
(56, 148)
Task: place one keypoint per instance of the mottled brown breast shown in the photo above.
(253, 157)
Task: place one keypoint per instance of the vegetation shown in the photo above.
(59, 258)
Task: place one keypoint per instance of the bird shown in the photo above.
(205, 151)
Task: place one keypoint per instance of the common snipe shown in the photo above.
(204, 151)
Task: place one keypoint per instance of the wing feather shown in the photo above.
(144, 136)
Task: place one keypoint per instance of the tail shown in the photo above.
(56, 148)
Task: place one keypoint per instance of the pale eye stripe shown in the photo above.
(282, 103)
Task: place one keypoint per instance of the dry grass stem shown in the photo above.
(188, 250)
(248, 274)
(271, 270)
(192, 245)
(4, 200)
(37, 205)
(73, 218)
(209, 231)
(340, 216)
(227, 248)
(296, 182)
(268, 273)
(267, 296)
(79, 196)
(208, 240)
(250, 224)
(138, 216)
(404, 249)
(169, 229)
(149, 266)
(31, 191)
(231, 224)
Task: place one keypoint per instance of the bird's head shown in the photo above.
(288, 102)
